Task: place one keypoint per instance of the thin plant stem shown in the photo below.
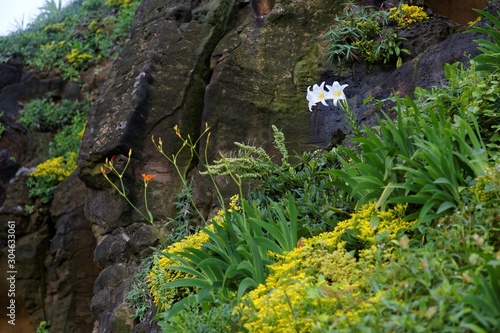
(350, 117)
(122, 192)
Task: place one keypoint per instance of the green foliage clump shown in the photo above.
(139, 296)
(46, 116)
(68, 139)
(67, 121)
(43, 327)
(488, 60)
(426, 156)
(44, 180)
(319, 206)
(250, 161)
(56, 39)
(469, 93)
(220, 318)
(364, 34)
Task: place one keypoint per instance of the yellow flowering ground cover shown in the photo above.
(57, 168)
(327, 278)
(160, 275)
(405, 15)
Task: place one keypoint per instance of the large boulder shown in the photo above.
(70, 272)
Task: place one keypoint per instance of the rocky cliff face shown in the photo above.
(54, 246)
(241, 68)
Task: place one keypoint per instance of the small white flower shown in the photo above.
(336, 92)
(317, 94)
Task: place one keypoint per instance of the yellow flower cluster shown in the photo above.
(54, 27)
(80, 134)
(57, 168)
(233, 204)
(487, 185)
(77, 58)
(405, 15)
(233, 207)
(93, 25)
(473, 23)
(159, 275)
(52, 45)
(119, 3)
(366, 48)
(321, 279)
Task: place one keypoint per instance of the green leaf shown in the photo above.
(268, 244)
(474, 328)
(246, 284)
(179, 306)
(384, 196)
(445, 206)
(374, 220)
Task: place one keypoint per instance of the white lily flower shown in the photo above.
(317, 94)
(336, 92)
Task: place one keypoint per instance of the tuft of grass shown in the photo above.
(139, 297)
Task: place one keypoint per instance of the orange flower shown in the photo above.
(147, 177)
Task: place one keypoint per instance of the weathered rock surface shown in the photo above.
(54, 248)
(158, 81)
(32, 240)
(70, 273)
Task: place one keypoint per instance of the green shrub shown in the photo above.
(489, 59)
(220, 318)
(55, 39)
(44, 180)
(468, 93)
(44, 115)
(68, 139)
(426, 156)
(319, 207)
(363, 34)
(139, 297)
